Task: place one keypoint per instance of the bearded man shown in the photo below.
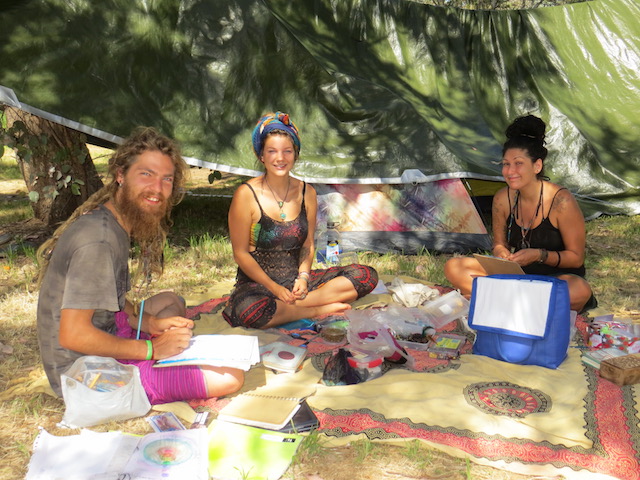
(84, 280)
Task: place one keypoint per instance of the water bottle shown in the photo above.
(333, 248)
(321, 244)
(328, 247)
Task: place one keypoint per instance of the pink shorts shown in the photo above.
(167, 384)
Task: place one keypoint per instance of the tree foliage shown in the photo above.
(54, 161)
(498, 4)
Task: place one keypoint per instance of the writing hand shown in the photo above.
(526, 256)
(171, 342)
(501, 251)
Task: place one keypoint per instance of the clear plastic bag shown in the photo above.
(369, 333)
(100, 389)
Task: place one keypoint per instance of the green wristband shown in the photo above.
(149, 350)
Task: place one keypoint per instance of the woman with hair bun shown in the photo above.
(536, 223)
(272, 221)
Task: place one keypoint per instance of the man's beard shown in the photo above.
(145, 223)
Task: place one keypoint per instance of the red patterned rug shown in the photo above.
(611, 419)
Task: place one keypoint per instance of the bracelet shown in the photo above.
(558, 262)
(303, 275)
(544, 254)
(149, 350)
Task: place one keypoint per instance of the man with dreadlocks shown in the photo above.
(82, 308)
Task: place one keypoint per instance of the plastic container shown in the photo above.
(333, 334)
(333, 330)
(446, 308)
(368, 366)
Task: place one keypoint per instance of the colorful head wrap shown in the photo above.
(273, 121)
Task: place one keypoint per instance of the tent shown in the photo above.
(378, 88)
(407, 218)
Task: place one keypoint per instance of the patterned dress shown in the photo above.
(278, 246)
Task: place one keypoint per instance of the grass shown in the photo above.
(15, 205)
(199, 254)
(9, 169)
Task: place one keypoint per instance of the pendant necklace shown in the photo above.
(280, 203)
(525, 230)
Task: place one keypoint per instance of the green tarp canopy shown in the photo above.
(377, 87)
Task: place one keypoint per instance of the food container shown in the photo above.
(333, 330)
(446, 308)
(368, 366)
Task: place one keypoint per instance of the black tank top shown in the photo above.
(544, 236)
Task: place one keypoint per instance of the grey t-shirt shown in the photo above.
(88, 270)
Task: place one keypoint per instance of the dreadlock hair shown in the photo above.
(527, 133)
(141, 140)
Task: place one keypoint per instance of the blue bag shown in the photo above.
(523, 319)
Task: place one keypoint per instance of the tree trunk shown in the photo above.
(55, 163)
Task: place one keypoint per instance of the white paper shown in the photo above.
(513, 305)
(89, 455)
(173, 455)
(237, 351)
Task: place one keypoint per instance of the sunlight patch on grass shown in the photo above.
(424, 265)
(9, 169)
(100, 157)
(15, 211)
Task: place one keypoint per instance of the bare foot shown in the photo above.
(289, 313)
(333, 308)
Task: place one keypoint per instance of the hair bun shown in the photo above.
(528, 126)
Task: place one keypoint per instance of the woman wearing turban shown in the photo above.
(272, 220)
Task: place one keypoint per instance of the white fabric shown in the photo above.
(516, 305)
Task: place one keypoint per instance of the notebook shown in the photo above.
(242, 452)
(237, 351)
(266, 407)
(496, 265)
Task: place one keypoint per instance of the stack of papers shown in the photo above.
(114, 455)
(235, 351)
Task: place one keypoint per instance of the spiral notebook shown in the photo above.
(266, 407)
